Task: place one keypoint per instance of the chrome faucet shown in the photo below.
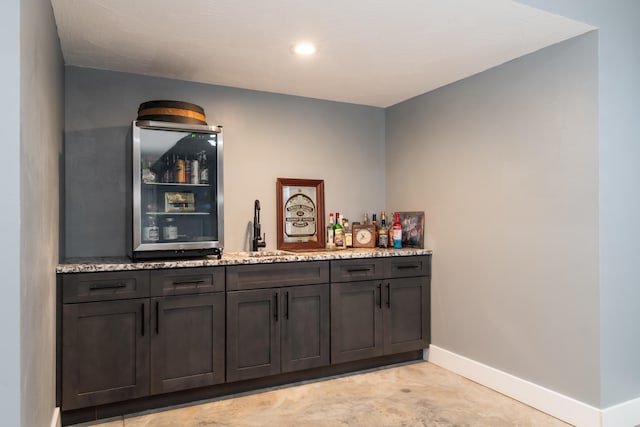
(258, 241)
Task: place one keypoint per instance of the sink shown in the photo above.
(266, 253)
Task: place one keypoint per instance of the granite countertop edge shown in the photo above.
(101, 264)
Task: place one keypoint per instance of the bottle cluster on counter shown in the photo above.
(340, 234)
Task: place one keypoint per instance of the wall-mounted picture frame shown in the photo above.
(412, 229)
(300, 204)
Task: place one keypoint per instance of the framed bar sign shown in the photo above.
(300, 204)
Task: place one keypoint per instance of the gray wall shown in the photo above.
(266, 136)
(619, 151)
(41, 139)
(10, 213)
(505, 166)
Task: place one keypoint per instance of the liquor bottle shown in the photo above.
(180, 171)
(397, 232)
(330, 242)
(204, 169)
(374, 222)
(348, 234)
(195, 171)
(170, 229)
(383, 233)
(167, 176)
(390, 230)
(150, 232)
(338, 233)
(365, 219)
(147, 174)
(187, 170)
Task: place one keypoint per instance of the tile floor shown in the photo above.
(415, 394)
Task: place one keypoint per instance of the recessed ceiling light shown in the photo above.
(304, 48)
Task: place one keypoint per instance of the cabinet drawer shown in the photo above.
(183, 281)
(256, 276)
(410, 266)
(104, 286)
(357, 269)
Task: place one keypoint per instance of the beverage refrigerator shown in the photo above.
(175, 191)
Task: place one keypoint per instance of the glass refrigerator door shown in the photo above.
(175, 198)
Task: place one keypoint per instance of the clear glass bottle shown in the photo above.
(170, 230)
(148, 175)
(151, 232)
(330, 242)
(383, 233)
(348, 235)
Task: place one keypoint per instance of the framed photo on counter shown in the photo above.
(412, 229)
(300, 204)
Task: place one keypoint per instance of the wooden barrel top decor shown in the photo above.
(172, 111)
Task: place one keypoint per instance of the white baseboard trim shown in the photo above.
(55, 418)
(625, 414)
(562, 407)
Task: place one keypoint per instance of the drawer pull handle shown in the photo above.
(99, 286)
(157, 317)
(407, 267)
(188, 282)
(380, 295)
(286, 295)
(275, 311)
(357, 270)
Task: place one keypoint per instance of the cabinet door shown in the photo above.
(187, 342)
(305, 327)
(105, 353)
(407, 314)
(356, 321)
(253, 334)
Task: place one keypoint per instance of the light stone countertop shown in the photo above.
(89, 265)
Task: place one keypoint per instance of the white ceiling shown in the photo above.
(371, 52)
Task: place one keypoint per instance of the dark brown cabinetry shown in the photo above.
(379, 307)
(273, 328)
(253, 343)
(105, 337)
(187, 329)
(305, 327)
(119, 343)
(139, 339)
(105, 352)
